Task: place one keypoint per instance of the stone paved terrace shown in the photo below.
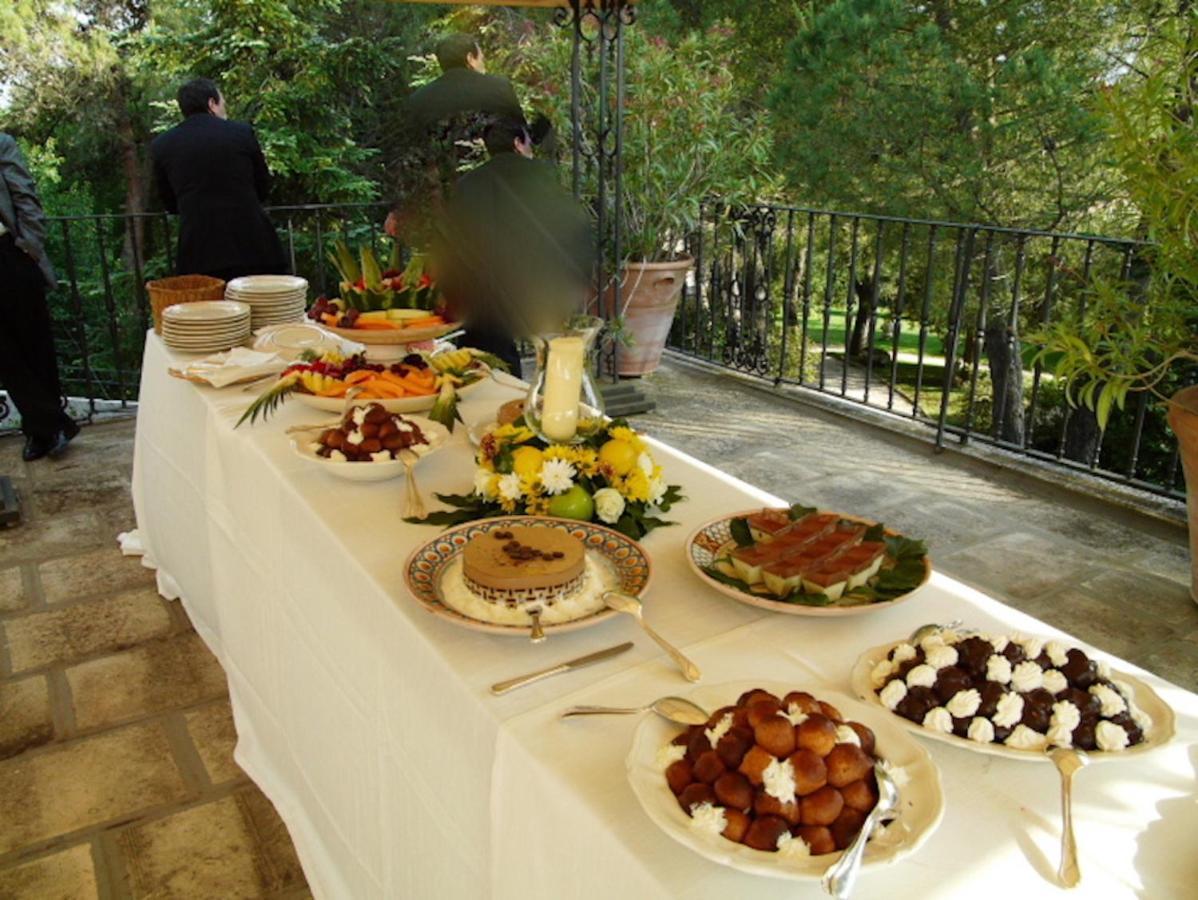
(116, 770)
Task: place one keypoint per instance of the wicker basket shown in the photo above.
(181, 289)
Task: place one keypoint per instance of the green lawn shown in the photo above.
(908, 337)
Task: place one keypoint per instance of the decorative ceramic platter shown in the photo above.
(397, 405)
(1161, 731)
(428, 564)
(436, 434)
(396, 336)
(714, 539)
(921, 801)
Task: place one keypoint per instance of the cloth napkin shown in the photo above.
(223, 369)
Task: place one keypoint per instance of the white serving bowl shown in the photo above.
(436, 433)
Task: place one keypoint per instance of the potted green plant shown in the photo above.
(1143, 336)
(688, 136)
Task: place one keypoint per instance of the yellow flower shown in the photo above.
(622, 433)
(636, 486)
(537, 506)
(513, 434)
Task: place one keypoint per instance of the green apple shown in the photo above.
(575, 503)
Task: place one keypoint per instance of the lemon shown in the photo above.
(526, 461)
(620, 455)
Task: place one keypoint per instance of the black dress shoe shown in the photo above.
(36, 448)
(59, 445)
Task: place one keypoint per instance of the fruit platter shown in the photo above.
(382, 306)
(418, 382)
(778, 782)
(805, 561)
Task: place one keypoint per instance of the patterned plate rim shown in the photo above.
(440, 609)
(797, 609)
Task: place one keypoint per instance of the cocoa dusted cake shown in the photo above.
(1021, 692)
(519, 564)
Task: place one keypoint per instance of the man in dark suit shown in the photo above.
(28, 364)
(212, 173)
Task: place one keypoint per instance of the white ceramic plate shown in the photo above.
(1143, 696)
(206, 310)
(267, 284)
(399, 405)
(295, 339)
(436, 433)
(921, 801)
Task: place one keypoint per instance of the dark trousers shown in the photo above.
(28, 364)
(492, 340)
(226, 275)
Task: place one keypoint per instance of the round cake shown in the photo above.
(518, 564)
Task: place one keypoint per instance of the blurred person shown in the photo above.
(211, 172)
(516, 251)
(28, 363)
(439, 126)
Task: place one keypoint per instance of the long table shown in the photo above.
(369, 723)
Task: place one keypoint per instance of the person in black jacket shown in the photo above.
(28, 364)
(516, 252)
(212, 173)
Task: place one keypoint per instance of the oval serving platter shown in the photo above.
(1160, 733)
(713, 539)
(426, 565)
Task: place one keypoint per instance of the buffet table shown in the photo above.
(369, 723)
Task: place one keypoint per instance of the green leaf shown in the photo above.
(875, 533)
(268, 402)
(809, 599)
(901, 548)
(798, 511)
(1102, 409)
(741, 533)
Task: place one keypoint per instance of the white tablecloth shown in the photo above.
(370, 726)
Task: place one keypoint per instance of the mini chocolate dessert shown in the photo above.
(1023, 693)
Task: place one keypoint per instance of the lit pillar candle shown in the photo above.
(563, 387)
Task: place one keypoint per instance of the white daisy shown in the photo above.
(484, 484)
(557, 476)
(657, 490)
(645, 461)
(509, 486)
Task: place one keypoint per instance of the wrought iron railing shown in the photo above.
(101, 311)
(920, 319)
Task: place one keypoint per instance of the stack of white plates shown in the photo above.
(205, 327)
(273, 299)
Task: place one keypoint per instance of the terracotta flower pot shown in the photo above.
(648, 298)
(1183, 419)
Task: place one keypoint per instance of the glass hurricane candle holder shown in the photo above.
(564, 405)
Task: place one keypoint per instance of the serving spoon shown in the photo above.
(673, 709)
(838, 880)
(1068, 762)
(626, 603)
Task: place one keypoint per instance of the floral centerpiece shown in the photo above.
(610, 477)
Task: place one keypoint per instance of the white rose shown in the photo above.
(609, 505)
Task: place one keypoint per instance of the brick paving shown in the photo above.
(117, 776)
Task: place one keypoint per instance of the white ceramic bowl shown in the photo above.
(436, 433)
